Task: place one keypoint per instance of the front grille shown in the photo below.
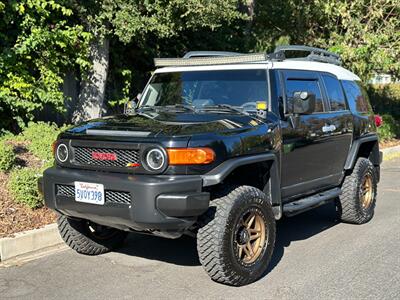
(83, 156)
(110, 196)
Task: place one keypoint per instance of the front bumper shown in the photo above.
(151, 203)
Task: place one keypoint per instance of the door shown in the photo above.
(315, 144)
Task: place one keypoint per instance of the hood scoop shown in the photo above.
(123, 133)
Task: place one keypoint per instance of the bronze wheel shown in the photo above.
(236, 237)
(250, 237)
(366, 191)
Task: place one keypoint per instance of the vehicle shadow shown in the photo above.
(302, 227)
(183, 251)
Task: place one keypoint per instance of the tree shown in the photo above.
(365, 33)
(137, 21)
(38, 43)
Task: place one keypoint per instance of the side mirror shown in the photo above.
(303, 103)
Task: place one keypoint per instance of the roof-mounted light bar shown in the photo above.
(205, 61)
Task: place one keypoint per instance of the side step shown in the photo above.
(299, 206)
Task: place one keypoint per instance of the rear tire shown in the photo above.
(237, 236)
(358, 198)
(88, 238)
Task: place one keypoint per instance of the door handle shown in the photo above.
(328, 128)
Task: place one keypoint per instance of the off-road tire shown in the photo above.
(215, 237)
(350, 208)
(77, 235)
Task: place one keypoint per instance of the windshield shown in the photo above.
(202, 89)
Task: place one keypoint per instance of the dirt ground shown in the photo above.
(15, 217)
(388, 144)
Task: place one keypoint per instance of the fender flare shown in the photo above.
(355, 147)
(218, 174)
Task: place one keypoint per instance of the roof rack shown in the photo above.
(316, 54)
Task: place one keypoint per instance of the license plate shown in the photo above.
(89, 192)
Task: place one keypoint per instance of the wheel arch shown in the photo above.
(270, 183)
(367, 147)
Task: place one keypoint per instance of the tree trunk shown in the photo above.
(91, 96)
(250, 6)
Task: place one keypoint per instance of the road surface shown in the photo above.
(315, 258)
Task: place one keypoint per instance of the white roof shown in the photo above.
(340, 72)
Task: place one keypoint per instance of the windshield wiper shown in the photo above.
(167, 107)
(180, 106)
(224, 107)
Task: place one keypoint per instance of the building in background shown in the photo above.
(383, 79)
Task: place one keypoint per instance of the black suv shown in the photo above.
(220, 146)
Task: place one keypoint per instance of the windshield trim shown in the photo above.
(241, 67)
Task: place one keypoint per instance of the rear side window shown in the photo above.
(306, 85)
(335, 93)
(356, 96)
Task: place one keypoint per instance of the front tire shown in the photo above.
(358, 198)
(237, 237)
(88, 238)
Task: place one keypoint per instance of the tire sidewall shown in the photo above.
(244, 203)
(366, 168)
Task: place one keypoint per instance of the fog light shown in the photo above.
(155, 159)
(62, 153)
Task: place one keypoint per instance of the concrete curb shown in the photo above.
(391, 150)
(29, 242)
(390, 153)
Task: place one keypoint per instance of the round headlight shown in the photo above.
(155, 159)
(62, 153)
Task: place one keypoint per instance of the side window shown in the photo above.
(304, 85)
(335, 93)
(356, 96)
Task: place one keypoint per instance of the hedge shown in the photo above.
(7, 156)
(385, 100)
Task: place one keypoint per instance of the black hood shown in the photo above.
(164, 124)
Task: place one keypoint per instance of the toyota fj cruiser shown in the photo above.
(219, 146)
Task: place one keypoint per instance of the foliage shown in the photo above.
(7, 156)
(43, 40)
(385, 99)
(390, 128)
(40, 137)
(23, 187)
(365, 33)
(23, 181)
(40, 42)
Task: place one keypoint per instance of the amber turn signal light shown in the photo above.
(190, 156)
(53, 148)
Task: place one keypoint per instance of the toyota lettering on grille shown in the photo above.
(104, 156)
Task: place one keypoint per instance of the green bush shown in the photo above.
(385, 99)
(390, 128)
(23, 187)
(7, 156)
(40, 136)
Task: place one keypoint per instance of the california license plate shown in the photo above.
(89, 192)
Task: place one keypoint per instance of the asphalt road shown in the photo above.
(315, 258)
